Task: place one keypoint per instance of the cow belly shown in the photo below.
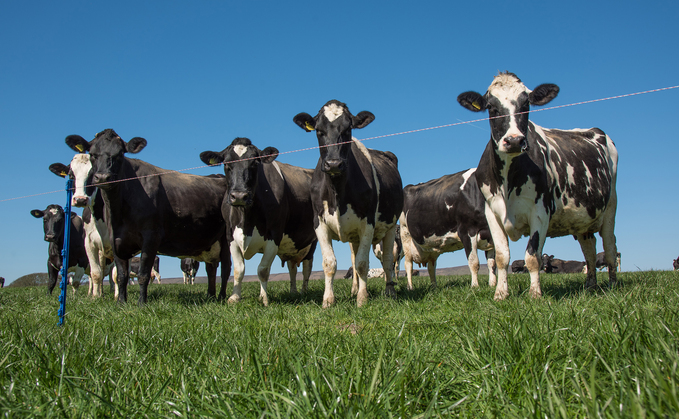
(288, 251)
(211, 255)
(249, 245)
(449, 242)
(574, 220)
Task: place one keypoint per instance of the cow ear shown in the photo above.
(363, 119)
(211, 158)
(543, 94)
(77, 143)
(136, 145)
(60, 169)
(305, 121)
(472, 101)
(269, 154)
(37, 213)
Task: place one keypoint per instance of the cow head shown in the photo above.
(333, 126)
(107, 154)
(241, 165)
(508, 101)
(52, 221)
(80, 170)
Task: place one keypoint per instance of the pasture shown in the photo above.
(450, 351)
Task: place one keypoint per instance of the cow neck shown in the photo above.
(117, 194)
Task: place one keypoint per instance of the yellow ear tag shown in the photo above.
(476, 105)
(308, 126)
(213, 162)
(79, 147)
(63, 174)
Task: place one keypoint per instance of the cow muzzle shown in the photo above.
(514, 145)
(80, 201)
(100, 178)
(333, 167)
(240, 198)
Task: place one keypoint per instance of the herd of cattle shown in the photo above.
(530, 181)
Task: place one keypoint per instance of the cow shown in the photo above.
(189, 269)
(519, 266)
(54, 219)
(559, 266)
(97, 242)
(601, 261)
(267, 209)
(155, 211)
(307, 266)
(397, 251)
(444, 215)
(540, 182)
(675, 264)
(2, 282)
(357, 196)
(135, 265)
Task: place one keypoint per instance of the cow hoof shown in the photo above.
(500, 295)
(390, 292)
(265, 300)
(492, 283)
(535, 293)
(234, 299)
(328, 302)
(590, 284)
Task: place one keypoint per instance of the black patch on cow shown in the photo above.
(533, 244)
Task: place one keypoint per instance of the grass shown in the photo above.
(448, 352)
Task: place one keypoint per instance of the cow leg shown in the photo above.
(471, 249)
(329, 264)
(533, 256)
(155, 275)
(431, 268)
(77, 278)
(186, 278)
(211, 271)
(307, 265)
(501, 245)
(264, 268)
(122, 274)
(408, 265)
(238, 272)
(292, 270)
(588, 245)
(363, 264)
(607, 233)
(53, 273)
(490, 261)
(388, 261)
(97, 266)
(354, 278)
(146, 261)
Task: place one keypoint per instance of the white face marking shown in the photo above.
(332, 112)
(80, 166)
(507, 89)
(240, 149)
(466, 175)
(54, 211)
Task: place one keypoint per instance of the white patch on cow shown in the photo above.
(288, 251)
(278, 169)
(332, 111)
(80, 166)
(506, 88)
(570, 172)
(366, 153)
(345, 228)
(240, 149)
(54, 211)
(466, 175)
(211, 255)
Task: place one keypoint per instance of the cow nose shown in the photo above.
(80, 201)
(333, 166)
(239, 197)
(101, 177)
(516, 144)
(49, 237)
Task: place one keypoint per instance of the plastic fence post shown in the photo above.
(65, 250)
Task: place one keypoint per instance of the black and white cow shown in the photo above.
(396, 251)
(357, 195)
(601, 261)
(553, 265)
(519, 266)
(444, 215)
(97, 242)
(267, 209)
(189, 270)
(541, 182)
(154, 211)
(54, 219)
(675, 263)
(135, 264)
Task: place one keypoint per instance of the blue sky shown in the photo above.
(192, 76)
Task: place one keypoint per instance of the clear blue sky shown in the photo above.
(192, 76)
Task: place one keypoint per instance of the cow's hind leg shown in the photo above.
(353, 248)
(363, 265)
(610, 248)
(470, 248)
(292, 270)
(588, 245)
(264, 268)
(307, 265)
(388, 261)
(492, 269)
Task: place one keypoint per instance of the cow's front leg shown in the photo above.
(408, 265)
(533, 256)
(329, 263)
(264, 268)
(501, 245)
(122, 275)
(144, 275)
(238, 271)
(471, 249)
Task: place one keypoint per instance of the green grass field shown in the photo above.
(445, 352)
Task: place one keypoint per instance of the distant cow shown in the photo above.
(519, 266)
(154, 211)
(540, 182)
(2, 282)
(445, 215)
(675, 264)
(558, 266)
(54, 219)
(189, 269)
(135, 264)
(357, 195)
(267, 209)
(601, 261)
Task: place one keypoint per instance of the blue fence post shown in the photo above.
(64, 251)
